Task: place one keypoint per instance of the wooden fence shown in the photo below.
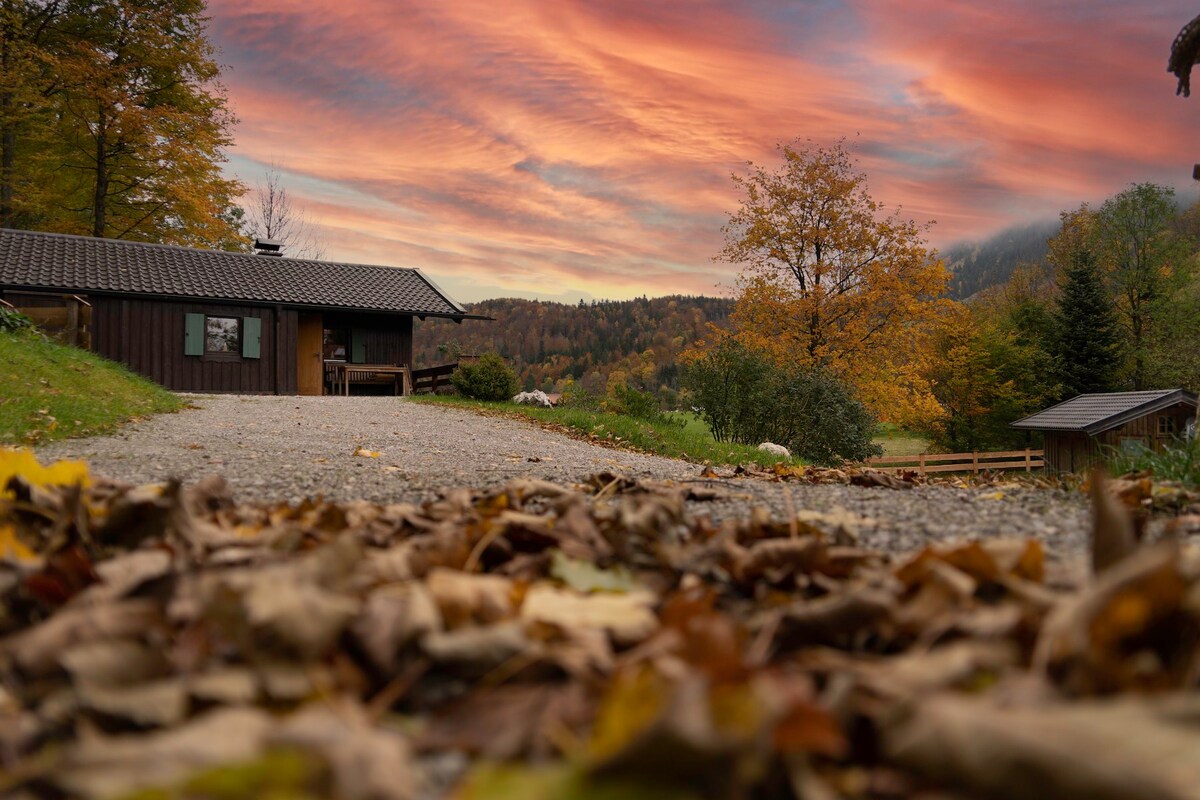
(429, 378)
(1026, 459)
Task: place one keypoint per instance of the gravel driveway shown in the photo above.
(286, 448)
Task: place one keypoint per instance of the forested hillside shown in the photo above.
(974, 266)
(547, 343)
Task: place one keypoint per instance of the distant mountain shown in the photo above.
(977, 265)
(549, 342)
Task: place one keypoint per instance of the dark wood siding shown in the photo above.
(147, 336)
(389, 336)
(1076, 452)
(1069, 452)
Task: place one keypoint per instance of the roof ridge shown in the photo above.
(105, 241)
(65, 261)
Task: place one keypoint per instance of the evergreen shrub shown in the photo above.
(489, 378)
(747, 399)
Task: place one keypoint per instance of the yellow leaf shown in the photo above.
(21, 463)
(13, 549)
(365, 453)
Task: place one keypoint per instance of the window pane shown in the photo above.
(221, 335)
(335, 344)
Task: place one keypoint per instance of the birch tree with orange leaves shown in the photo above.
(829, 278)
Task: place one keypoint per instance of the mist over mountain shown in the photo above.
(975, 266)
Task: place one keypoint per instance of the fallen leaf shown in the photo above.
(583, 576)
(1114, 750)
(628, 618)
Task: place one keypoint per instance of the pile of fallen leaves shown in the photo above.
(589, 642)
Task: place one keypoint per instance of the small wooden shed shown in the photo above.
(212, 321)
(1079, 430)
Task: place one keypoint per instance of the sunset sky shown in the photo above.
(582, 148)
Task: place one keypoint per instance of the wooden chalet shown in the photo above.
(1077, 431)
(213, 321)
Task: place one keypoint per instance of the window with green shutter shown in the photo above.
(251, 337)
(193, 335)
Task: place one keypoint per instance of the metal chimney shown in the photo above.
(268, 247)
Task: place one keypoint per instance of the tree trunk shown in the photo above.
(100, 196)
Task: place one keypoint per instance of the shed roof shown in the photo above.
(60, 262)
(1096, 413)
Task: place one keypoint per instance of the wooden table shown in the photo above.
(345, 374)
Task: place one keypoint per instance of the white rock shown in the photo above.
(775, 449)
(535, 398)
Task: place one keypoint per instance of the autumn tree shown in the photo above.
(29, 34)
(118, 123)
(982, 379)
(829, 279)
(272, 213)
(1137, 246)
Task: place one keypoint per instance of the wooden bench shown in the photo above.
(380, 374)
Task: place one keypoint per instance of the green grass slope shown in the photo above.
(686, 437)
(53, 391)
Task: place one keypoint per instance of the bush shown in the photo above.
(14, 321)
(747, 399)
(623, 399)
(489, 378)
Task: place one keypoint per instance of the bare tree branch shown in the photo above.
(272, 214)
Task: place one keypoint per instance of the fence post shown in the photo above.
(974, 463)
(921, 469)
(1028, 461)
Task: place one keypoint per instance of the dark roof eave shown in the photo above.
(186, 298)
(1116, 420)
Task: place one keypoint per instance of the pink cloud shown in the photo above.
(575, 144)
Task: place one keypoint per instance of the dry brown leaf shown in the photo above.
(1134, 628)
(628, 617)
(479, 649)
(111, 766)
(369, 762)
(393, 618)
(464, 598)
(1119, 750)
(1113, 535)
(36, 650)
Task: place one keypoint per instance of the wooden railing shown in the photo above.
(70, 323)
(1026, 459)
(429, 378)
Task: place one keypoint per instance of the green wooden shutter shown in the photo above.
(251, 337)
(358, 346)
(193, 335)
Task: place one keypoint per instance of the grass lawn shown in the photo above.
(686, 437)
(899, 442)
(53, 391)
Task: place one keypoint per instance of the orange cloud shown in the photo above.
(563, 145)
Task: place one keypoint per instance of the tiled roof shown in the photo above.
(1094, 413)
(82, 264)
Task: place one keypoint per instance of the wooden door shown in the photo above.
(310, 363)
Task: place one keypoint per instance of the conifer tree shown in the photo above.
(1087, 339)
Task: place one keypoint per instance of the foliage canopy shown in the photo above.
(829, 281)
(114, 122)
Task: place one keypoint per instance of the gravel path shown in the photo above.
(286, 448)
